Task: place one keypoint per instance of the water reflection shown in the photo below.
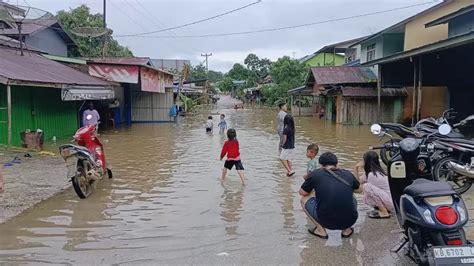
(231, 205)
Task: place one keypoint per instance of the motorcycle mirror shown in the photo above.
(444, 129)
(88, 117)
(376, 129)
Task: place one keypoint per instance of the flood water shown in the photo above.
(166, 204)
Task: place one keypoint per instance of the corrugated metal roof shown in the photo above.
(66, 59)
(34, 68)
(342, 75)
(372, 92)
(10, 42)
(135, 61)
(29, 26)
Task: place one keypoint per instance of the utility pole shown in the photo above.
(104, 22)
(207, 64)
(207, 75)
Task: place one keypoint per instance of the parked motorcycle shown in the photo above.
(85, 160)
(431, 213)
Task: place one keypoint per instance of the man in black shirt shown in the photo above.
(334, 206)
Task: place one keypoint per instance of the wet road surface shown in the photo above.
(166, 204)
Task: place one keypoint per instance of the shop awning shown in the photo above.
(86, 93)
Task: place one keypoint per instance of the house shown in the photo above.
(433, 59)
(147, 92)
(36, 92)
(348, 95)
(47, 35)
(331, 55)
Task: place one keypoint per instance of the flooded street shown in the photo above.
(166, 203)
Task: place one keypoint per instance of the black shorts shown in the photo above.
(230, 163)
(208, 129)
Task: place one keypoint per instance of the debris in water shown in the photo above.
(223, 254)
(303, 246)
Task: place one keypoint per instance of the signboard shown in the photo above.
(123, 74)
(152, 81)
(78, 94)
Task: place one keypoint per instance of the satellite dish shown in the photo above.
(90, 32)
(13, 17)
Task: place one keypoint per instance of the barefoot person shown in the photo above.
(231, 149)
(375, 186)
(280, 117)
(288, 144)
(334, 206)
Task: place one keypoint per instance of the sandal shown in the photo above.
(314, 234)
(348, 235)
(376, 215)
(290, 174)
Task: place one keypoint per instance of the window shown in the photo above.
(371, 52)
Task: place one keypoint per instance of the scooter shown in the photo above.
(85, 160)
(431, 213)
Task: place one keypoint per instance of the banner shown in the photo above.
(124, 74)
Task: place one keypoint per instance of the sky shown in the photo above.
(137, 16)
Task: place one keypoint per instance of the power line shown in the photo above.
(128, 16)
(192, 23)
(280, 28)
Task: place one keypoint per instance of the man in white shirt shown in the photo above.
(280, 117)
(95, 116)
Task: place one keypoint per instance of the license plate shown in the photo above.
(466, 253)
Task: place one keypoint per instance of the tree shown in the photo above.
(289, 71)
(258, 67)
(197, 72)
(81, 17)
(215, 76)
(238, 72)
(226, 84)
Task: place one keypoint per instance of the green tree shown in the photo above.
(81, 17)
(197, 72)
(215, 76)
(226, 84)
(289, 71)
(238, 72)
(259, 67)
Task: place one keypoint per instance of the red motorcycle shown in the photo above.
(85, 160)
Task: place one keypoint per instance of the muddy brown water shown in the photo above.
(166, 204)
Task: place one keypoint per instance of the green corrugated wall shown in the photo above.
(37, 107)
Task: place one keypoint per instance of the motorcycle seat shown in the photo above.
(426, 188)
(457, 140)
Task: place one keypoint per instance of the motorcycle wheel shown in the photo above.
(441, 172)
(387, 154)
(109, 173)
(81, 185)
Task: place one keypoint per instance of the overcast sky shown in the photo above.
(135, 16)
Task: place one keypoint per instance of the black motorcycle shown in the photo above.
(431, 213)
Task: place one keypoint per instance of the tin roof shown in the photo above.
(135, 61)
(372, 92)
(342, 75)
(34, 68)
(450, 16)
(10, 42)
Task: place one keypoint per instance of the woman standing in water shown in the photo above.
(375, 185)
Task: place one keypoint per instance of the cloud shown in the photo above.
(122, 18)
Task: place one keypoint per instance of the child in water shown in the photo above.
(231, 149)
(311, 153)
(209, 125)
(222, 124)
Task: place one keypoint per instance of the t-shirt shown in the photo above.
(280, 118)
(209, 124)
(336, 206)
(312, 165)
(290, 138)
(222, 124)
(93, 121)
(231, 148)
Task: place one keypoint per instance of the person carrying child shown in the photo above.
(209, 125)
(231, 149)
(311, 153)
(222, 124)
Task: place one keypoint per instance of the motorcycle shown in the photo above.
(431, 213)
(85, 160)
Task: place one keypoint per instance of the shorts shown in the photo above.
(230, 163)
(208, 129)
(312, 209)
(286, 154)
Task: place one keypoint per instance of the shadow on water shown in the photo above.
(166, 203)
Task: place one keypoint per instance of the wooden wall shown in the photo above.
(434, 100)
(351, 110)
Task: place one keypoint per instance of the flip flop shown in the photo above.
(16, 160)
(290, 174)
(376, 215)
(314, 234)
(349, 235)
